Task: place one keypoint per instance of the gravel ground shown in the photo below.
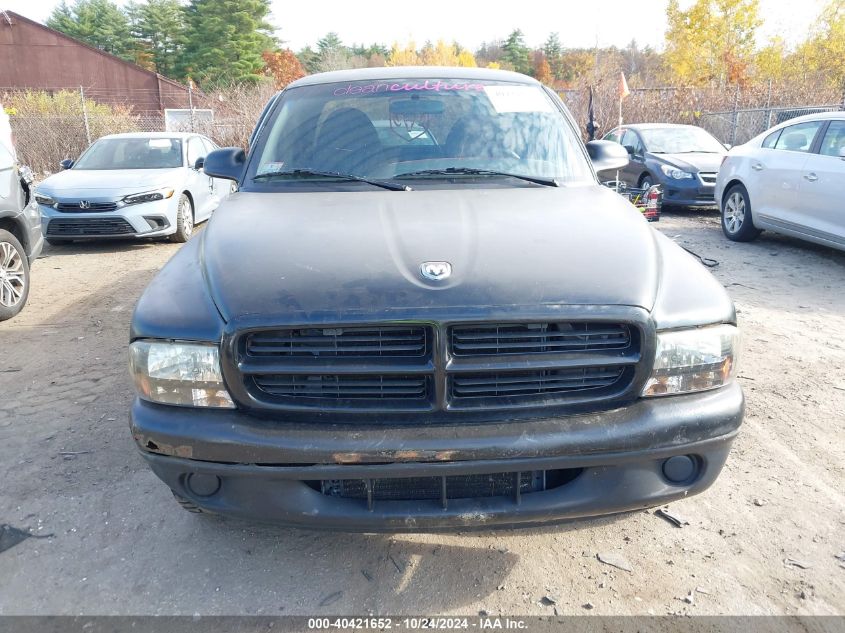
(762, 540)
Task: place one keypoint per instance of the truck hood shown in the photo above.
(94, 183)
(296, 257)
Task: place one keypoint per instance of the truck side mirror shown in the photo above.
(67, 163)
(227, 163)
(607, 155)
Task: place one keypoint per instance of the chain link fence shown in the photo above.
(42, 141)
(732, 115)
(43, 138)
(740, 126)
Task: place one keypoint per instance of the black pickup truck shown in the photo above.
(422, 311)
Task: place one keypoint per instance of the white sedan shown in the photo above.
(790, 179)
(132, 185)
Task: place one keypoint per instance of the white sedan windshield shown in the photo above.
(132, 153)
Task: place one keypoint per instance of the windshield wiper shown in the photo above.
(384, 184)
(470, 171)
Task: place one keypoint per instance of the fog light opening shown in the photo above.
(681, 469)
(202, 485)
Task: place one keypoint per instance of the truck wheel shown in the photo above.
(184, 220)
(14, 276)
(188, 505)
(737, 223)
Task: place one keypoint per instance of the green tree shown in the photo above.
(309, 59)
(99, 23)
(824, 50)
(516, 54)
(552, 50)
(159, 28)
(225, 41)
(712, 41)
(331, 53)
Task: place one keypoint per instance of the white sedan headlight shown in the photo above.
(185, 374)
(148, 196)
(693, 360)
(674, 172)
(47, 201)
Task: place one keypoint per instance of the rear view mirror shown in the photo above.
(227, 163)
(405, 107)
(607, 155)
(67, 163)
(199, 163)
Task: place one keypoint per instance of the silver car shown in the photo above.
(790, 180)
(132, 185)
(20, 225)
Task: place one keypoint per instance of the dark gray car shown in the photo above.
(422, 310)
(684, 159)
(20, 226)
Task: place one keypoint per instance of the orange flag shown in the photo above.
(623, 86)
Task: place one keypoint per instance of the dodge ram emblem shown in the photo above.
(436, 271)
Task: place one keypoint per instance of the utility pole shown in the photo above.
(191, 101)
(85, 114)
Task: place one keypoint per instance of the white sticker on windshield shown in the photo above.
(159, 143)
(517, 99)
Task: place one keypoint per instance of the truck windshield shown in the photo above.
(132, 153)
(421, 129)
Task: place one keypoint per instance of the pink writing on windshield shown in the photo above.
(437, 86)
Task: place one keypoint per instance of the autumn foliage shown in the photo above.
(283, 66)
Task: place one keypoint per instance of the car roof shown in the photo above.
(414, 72)
(818, 116)
(179, 135)
(654, 126)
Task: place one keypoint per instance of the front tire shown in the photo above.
(737, 223)
(646, 182)
(184, 220)
(14, 276)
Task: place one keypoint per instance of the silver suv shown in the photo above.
(20, 226)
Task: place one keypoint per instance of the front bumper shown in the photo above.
(151, 219)
(689, 193)
(616, 459)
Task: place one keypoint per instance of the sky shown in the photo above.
(580, 23)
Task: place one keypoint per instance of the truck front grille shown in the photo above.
(439, 369)
(526, 383)
(537, 338)
(343, 387)
(361, 342)
(445, 488)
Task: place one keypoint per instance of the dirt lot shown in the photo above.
(114, 542)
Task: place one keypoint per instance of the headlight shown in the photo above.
(148, 196)
(186, 374)
(693, 360)
(674, 172)
(40, 198)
